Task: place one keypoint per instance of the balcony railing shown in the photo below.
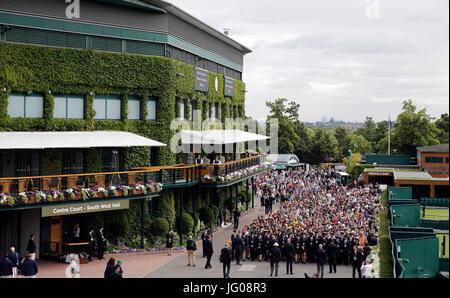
(41, 189)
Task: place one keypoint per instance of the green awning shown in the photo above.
(280, 167)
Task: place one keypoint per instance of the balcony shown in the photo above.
(147, 181)
(39, 190)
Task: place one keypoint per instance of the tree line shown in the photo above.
(413, 128)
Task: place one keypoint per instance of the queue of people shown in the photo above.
(318, 221)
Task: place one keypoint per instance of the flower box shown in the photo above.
(31, 200)
(100, 194)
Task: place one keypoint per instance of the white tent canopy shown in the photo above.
(219, 137)
(73, 139)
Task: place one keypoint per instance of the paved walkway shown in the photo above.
(134, 265)
(164, 266)
(250, 269)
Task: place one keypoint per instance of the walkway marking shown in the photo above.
(247, 268)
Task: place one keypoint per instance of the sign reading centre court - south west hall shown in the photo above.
(80, 208)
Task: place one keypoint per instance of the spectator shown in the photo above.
(110, 268)
(30, 267)
(101, 243)
(275, 258)
(116, 273)
(169, 242)
(225, 259)
(208, 252)
(6, 267)
(31, 247)
(191, 247)
(321, 259)
(14, 258)
(366, 269)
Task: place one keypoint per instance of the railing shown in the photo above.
(19, 190)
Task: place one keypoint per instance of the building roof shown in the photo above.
(442, 148)
(197, 23)
(73, 139)
(411, 175)
(219, 136)
(283, 158)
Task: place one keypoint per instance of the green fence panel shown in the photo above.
(405, 215)
(388, 159)
(400, 193)
(435, 202)
(435, 224)
(443, 245)
(418, 257)
(443, 265)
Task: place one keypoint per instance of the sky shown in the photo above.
(345, 59)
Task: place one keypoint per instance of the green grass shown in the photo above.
(435, 214)
(384, 242)
(441, 239)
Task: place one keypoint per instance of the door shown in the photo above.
(72, 162)
(110, 163)
(56, 232)
(27, 165)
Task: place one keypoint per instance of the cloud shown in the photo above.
(333, 59)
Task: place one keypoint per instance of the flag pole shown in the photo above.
(389, 135)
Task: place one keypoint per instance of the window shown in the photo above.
(191, 111)
(45, 37)
(182, 109)
(72, 162)
(222, 112)
(107, 107)
(446, 160)
(144, 48)
(106, 44)
(25, 106)
(110, 160)
(431, 159)
(214, 111)
(69, 106)
(151, 109)
(134, 108)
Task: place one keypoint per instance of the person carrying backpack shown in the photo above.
(191, 247)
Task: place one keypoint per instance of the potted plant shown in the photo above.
(85, 194)
(125, 190)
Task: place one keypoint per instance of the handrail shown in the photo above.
(167, 175)
(80, 175)
(179, 166)
(160, 167)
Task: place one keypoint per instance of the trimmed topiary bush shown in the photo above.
(159, 227)
(215, 211)
(206, 214)
(188, 223)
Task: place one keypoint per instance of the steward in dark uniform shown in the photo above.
(332, 255)
(239, 248)
(289, 253)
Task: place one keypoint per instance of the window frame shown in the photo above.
(24, 98)
(107, 98)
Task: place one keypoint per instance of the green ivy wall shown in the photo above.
(87, 72)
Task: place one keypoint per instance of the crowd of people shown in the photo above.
(318, 221)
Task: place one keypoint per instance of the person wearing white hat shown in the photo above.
(275, 258)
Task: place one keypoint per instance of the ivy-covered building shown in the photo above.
(128, 66)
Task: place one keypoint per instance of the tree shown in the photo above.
(323, 145)
(413, 129)
(442, 124)
(342, 137)
(287, 136)
(359, 144)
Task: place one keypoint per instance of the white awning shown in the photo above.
(219, 137)
(73, 139)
